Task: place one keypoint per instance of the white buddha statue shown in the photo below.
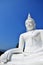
(32, 39)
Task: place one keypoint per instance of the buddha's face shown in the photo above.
(30, 25)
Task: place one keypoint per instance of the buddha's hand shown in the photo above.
(8, 54)
(5, 57)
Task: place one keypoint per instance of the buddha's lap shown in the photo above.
(33, 59)
(28, 57)
(38, 60)
(17, 56)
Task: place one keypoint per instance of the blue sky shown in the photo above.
(13, 14)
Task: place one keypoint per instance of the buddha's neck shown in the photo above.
(30, 30)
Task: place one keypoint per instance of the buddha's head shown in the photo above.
(30, 23)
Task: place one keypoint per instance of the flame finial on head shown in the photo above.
(29, 16)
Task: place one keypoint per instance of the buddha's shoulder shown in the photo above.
(30, 32)
(21, 35)
(39, 30)
(25, 34)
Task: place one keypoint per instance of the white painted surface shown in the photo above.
(33, 52)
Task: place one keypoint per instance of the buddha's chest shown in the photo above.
(33, 41)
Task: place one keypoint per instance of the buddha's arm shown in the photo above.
(20, 48)
(17, 50)
(21, 43)
(7, 55)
